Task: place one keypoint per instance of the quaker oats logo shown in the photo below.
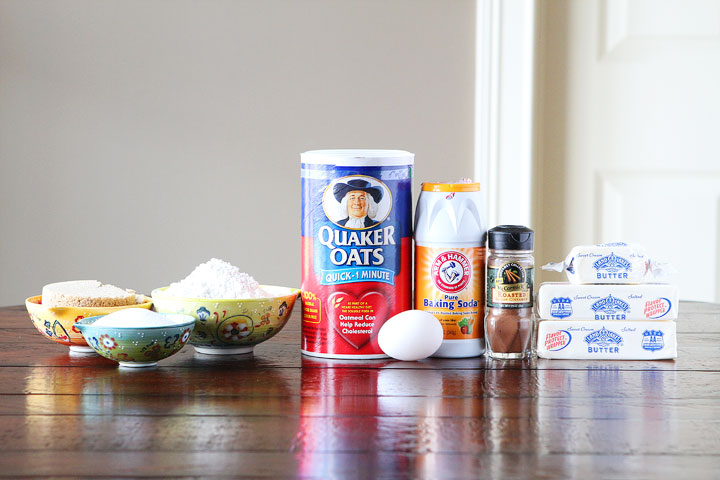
(653, 340)
(357, 202)
(451, 272)
(561, 307)
(612, 263)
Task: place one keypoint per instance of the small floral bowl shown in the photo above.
(59, 323)
(138, 347)
(231, 327)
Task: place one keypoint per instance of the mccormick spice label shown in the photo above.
(510, 285)
(356, 249)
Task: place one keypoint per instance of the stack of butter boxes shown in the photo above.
(614, 306)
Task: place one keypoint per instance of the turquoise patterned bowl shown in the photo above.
(138, 347)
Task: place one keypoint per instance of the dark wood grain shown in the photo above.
(277, 414)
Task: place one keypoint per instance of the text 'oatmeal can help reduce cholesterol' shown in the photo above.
(356, 248)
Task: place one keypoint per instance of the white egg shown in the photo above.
(411, 335)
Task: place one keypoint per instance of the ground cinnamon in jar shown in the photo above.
(509, 299)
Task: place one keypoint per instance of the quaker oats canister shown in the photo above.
(356, 248)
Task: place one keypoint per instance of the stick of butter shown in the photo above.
(610, 263)
(565, 301)
(613, 340)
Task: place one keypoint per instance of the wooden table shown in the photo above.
(278, 414)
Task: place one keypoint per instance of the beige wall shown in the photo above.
(140, 138)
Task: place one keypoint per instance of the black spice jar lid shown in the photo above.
(511, 237)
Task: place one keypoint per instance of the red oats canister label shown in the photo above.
(356, 248)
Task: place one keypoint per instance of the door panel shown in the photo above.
(675, 212)
(628, 123)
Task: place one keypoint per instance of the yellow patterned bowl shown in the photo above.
(58, 323)
(231, 327)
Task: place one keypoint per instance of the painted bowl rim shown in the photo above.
(148, 301)
(84, 322)
(160, 293)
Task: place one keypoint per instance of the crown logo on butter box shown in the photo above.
(612, 263)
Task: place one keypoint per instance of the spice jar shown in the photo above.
(509, 299)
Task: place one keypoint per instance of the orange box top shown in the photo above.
(450, 187)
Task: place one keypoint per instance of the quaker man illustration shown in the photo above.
(359, 201)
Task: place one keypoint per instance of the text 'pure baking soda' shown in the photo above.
(450, 232)
(356, 248)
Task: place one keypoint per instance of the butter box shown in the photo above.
(565, 301)
(610, 263)
(611, 340)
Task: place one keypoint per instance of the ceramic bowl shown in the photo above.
(231, 327)
(58, 323)
(137, 347)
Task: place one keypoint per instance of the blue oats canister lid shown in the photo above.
(511, 237)
(358, 157)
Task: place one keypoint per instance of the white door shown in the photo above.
(628, 132)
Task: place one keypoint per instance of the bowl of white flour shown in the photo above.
(232, 311)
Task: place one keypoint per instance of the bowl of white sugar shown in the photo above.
(232, 311)
(136, 337)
